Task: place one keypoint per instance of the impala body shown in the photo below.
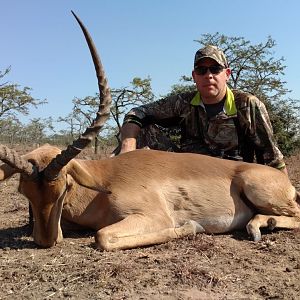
(146, 197)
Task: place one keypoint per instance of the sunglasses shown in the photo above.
(201, 70)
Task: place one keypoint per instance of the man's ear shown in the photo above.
(193, 74)
(228, 72)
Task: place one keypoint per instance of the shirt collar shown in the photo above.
(229, 105)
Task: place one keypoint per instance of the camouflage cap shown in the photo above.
(212, 52)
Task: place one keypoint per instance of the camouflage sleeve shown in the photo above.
(261, 133)
(161, 112)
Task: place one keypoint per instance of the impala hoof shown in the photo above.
(271, 224)
(256, 237)
(254, 233)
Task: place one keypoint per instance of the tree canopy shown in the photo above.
(15, 100)
(84, 109)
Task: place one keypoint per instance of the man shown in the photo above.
(214, 120)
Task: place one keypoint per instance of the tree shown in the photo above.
(36, 131)
(256, 70)
(10, 130)
(74, 126)
(84, 109)
(285, 119)
(139, 93)
(15, 100)
(82, 116)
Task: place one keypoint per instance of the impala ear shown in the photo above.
(6, 171)
(84, 178)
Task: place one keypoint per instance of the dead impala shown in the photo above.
(146, 197)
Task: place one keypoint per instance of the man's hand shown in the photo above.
(285, 171)
(128, 144)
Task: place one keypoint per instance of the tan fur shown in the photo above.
(147, 197)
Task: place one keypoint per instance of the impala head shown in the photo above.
(45, 196)
(46, 173)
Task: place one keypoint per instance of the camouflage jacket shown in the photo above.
(242, 127)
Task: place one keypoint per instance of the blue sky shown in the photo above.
(45, 48)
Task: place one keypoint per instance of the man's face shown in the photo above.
(212, 87)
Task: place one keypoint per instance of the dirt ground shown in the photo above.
(202, 267)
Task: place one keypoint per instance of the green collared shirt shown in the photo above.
(229, 105)
(243, 124)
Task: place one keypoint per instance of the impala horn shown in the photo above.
(62, 159)
(21, 165)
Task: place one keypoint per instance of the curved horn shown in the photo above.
(61, 160)
(13, 159)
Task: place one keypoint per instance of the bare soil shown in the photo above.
(202, 267)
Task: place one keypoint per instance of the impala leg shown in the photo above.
(135, 231)
(253, 227)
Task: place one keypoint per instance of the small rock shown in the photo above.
(288, 269)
